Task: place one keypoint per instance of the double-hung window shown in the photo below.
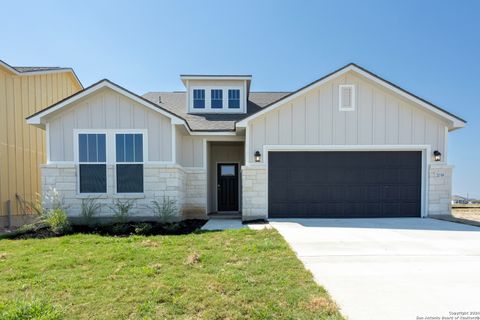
(92, 162)
(129, 162)
(233, 99)
(217, 98)
(199, 98)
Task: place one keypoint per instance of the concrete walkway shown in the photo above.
(222, 224)
(390, 268)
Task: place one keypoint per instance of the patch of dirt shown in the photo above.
(193, 258)
(150, 244)
(465, 215)
(321, 304)
(472, 214)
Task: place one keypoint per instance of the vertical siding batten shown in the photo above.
(380, 117)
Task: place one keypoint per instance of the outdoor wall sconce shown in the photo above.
(437, 155)
(258, 156)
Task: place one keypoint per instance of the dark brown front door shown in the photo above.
(227, 186)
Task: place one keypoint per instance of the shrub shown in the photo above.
(52, 200)
(89, 209)
(57, 220)
(119, 229)
(143, 229)
(121, 209)
(31, 207)
(166, 210)
(16, 310)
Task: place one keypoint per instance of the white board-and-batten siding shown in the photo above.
(380, 118)
(107, 109)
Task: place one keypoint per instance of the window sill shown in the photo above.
(129, 196)
(92, 196)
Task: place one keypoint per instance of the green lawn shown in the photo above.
(236, 274)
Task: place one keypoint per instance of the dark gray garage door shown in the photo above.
(344, 184)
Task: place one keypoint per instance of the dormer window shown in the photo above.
(220, 94)
(199, 99)
(217, 98)
(234, 99)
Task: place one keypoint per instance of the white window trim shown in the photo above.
(76, 155)
(208, 102)
(114, 142)
(110, 159)
(352, 98)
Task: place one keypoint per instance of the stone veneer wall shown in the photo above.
(254, 193)
(195, 206)
(172, 181)
(189, 187)
(440, 189)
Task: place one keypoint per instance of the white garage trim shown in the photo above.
(425, 149)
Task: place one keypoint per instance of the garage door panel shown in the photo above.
(355, 192)
(390, 193)
(390, 175)
(279, 196)
(372, 175)
(335, 193)
(408, 175)
(344, 184)
(334, 210)
(354, 210)
(373, 210)
(391, 209)
(373, 194)
(408, 209)
(301, 193)
(409, 193)
(319, 193)
(278, 174)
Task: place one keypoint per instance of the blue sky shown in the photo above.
(431, 48)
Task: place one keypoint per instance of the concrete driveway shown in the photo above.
(404, 268)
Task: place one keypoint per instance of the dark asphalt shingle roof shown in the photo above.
(34, 69)
(176, 103)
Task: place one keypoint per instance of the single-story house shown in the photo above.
(349, 144)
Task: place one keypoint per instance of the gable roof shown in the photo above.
(39, 70)
(176, 103)
(173, 104)
(38, 118)
(456, 121)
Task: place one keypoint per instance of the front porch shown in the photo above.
(224, 185)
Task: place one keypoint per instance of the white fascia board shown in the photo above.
(39, 118)
(206, 77)
(244, 122)
(212, 133)
(456, 123)
(453, 121)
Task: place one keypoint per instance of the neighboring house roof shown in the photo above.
(34, 69)
(176, 103)
(39, 70)
(457, 122)
(37, 118)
